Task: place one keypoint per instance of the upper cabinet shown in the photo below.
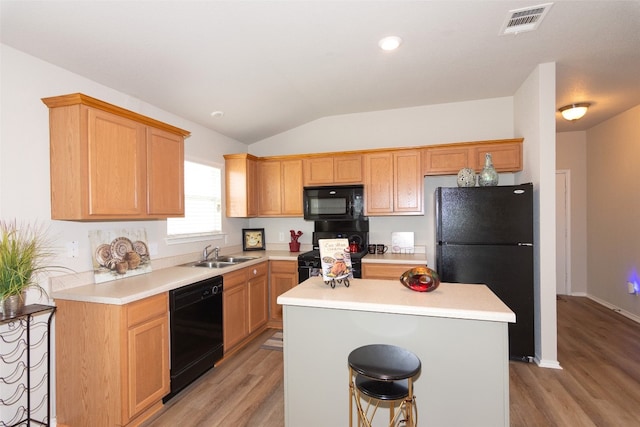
(449, 159)
(241, 185)
(393, 179)
(393, 183)
(280, 187)
(338, 169)
(109, 163)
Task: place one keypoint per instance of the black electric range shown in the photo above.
(354, 231)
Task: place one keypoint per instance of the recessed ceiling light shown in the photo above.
(390, 43)
(217, 114)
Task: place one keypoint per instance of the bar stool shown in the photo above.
(383, 373)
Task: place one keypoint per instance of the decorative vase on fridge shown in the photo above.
(488, 177)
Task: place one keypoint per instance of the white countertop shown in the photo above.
(124, 291)
(452, 300)
(389, 258)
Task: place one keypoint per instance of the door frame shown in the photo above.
(565, 175)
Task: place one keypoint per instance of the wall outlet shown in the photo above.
(631, 288)
(281, 236)
(73, 249)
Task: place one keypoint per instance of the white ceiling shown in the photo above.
(274, 65)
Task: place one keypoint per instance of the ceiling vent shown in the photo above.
(525, 19)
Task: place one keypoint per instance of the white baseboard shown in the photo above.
(625, 313)
(551, 364)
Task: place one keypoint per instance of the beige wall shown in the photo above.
(613, 205)
(571, 155)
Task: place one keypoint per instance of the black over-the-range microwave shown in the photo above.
(337, 203)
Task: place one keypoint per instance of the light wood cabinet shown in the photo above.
(112, 362)
(280, 184)
(393, 178)
(245, 304)
(258, 296)
(234, 309)
(449, 159)
(283, 276)
(394, 183)
(111, 163)
(241, 185)
(339, 169)
(386, 271)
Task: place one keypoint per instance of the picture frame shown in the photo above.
(253, 239)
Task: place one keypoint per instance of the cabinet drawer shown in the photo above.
(235, 278)
(148, 308)
(257, 270)
(386, 271)
(284, 266)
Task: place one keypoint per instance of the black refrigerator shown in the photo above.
(485, 235)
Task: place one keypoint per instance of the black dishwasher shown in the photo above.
(195, 330)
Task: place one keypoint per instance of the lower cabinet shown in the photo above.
(245, 303)
(283, 276)
(112, 361)
(387, 271)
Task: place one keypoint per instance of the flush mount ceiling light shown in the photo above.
(574, 111)
(390, 43)
(216, 114)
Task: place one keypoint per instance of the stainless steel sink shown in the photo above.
(235, 259)
(220, 262)
(210, 264)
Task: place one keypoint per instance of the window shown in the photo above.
(202, 202)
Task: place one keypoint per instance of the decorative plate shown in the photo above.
(103, 254)
(119, 248)
(420, 279)
(141, 248)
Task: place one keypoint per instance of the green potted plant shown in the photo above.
(24, 255)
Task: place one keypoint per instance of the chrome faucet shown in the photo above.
(206, 254)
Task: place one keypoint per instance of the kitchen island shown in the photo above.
(459, 332)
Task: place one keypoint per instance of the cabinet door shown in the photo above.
(234, 310)
(117, 165)
(505, 157)
(347, 169)
(270, 203)
(379, 182)
(291, 188)
(408, 182)
(318, 171)
(241, 186)
(283, 276)
(252, 188)
(447, 160)
(148, 364)
(165, 173)
(258, 287)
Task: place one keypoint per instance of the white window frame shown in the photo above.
(199, 236)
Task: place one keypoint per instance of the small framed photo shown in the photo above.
(253, 239)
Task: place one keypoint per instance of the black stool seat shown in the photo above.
(383, 390)
(384, 362)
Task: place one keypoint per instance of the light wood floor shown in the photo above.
(599, 384)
